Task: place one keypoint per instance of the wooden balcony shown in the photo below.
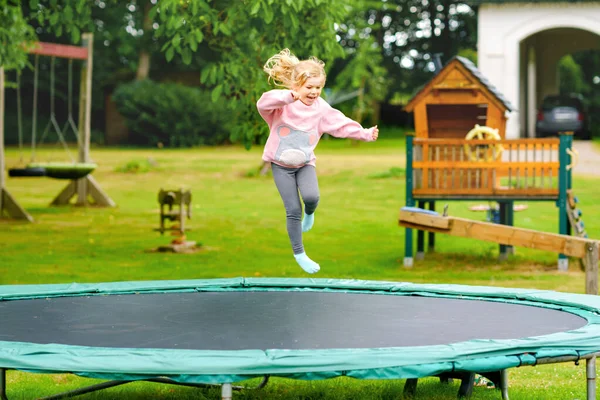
(459, 168)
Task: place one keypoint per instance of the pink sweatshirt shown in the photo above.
(295, 128)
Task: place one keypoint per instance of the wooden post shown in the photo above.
(85, 188)
(8, 205)
(410, 202)
(420, 237)
(431, 235)
(85, 109)
(590, 261)
(1, 137)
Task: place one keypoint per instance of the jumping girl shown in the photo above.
(297, 117)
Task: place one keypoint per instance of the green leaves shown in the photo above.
(75, 34)
(255, 8)
(186, 56)
(170, 53)
(216, 93)
(53, 19)
(180, 117)
(242, 35)
(15, 36)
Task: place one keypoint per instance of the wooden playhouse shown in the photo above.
(459, 150)
(455, 100)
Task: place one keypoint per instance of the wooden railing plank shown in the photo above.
(524, 167)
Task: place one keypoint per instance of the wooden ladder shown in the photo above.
(574, 215)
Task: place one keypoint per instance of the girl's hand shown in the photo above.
(375, 133)
(295, 95)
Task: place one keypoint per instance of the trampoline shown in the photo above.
(223, 331)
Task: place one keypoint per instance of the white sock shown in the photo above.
(307, 222)
(306, 263)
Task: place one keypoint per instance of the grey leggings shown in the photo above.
(288, 182)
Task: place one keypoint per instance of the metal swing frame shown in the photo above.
(84, 188)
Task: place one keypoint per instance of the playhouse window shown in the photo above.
(454, 121)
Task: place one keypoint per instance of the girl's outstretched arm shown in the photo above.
(337, 124)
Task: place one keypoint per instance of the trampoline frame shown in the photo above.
(583, 345)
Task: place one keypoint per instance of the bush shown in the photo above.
(171, 115)
(137, 166)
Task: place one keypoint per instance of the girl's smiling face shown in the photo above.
(310, 91)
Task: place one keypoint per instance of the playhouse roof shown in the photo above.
(472, 70)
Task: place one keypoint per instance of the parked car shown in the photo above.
(563, 113)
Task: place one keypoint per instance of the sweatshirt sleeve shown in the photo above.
(337, 124)
(271, 103)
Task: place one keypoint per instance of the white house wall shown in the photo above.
(502, 33)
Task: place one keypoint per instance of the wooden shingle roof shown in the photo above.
(475, 73)
(468, 64)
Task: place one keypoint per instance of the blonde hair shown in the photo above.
(285, 69)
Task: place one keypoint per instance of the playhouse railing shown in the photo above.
(441, 168)
(493, 170)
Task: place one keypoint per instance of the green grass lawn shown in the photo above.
(239, 219)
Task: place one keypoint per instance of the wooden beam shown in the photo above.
(590, 263)
(503, 234)
(97, 194)
(1, 132)
(60, 50)
(65, 195)
(426, 219)
(11, 209)
(85, 111)
(94, 195)
(8, 205)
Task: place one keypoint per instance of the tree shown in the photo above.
(244, 35)
(410, 32)
(16, 36)
(571, 76)
(229, 40)
(361, 77)
(589, 63)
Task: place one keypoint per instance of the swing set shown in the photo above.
(81, 184)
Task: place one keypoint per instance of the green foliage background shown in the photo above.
(180, 116)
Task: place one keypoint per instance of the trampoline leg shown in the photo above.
(420, 238)
(410, 387)
(466, 386)
(408, 248)
(85, 390)
(446, 379)
(226, 391)
(590, 372)
(3, 384)
(504, 384)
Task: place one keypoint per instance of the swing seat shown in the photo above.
(26, 172)
(58, 170)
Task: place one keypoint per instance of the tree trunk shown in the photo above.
(143, 69)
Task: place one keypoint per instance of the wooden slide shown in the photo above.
(583, 248)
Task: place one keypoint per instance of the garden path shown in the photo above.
(589, 158)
